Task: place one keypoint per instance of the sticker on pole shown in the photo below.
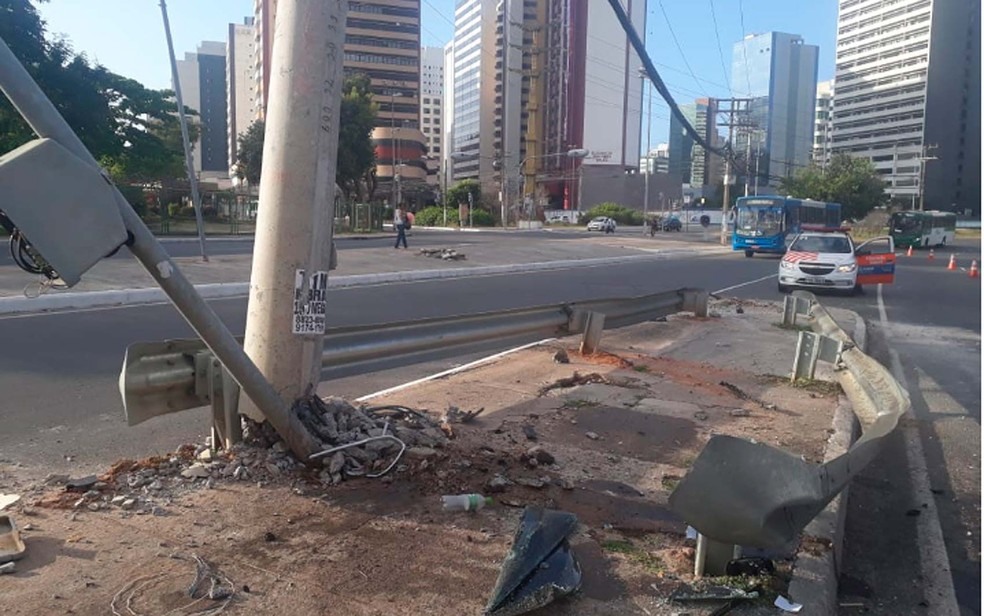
(310, 303)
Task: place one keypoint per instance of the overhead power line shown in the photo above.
(678, 46)
(717, 35)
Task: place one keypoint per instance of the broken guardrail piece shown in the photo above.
(540, 566)
(751, 494)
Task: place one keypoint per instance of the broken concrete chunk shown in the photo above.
(740, 413)
(195, 471)
(421, 452)
(592, 435)
(497, 484)
(541, 455)
(337, 463)
(8, 568)
(701, 415)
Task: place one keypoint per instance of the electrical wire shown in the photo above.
(744, 45)
(678, 46)
(717, 35)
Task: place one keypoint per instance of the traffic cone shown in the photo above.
(973, 269)
(952, 265)
(908, 253)
(932, 255)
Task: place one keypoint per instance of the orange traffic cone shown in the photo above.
(908, 253)
(973, 269)
(932, 255)
(952, 265)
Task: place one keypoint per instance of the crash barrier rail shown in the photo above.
(750, 494)
(166, 377)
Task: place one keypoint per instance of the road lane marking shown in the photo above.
(744, 284)
(934, 562)
(455, 370)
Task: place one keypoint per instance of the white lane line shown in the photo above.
(933, 560)
(744, 284)
(451, 371)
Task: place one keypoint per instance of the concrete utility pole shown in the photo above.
(923, 159)
(285, 320)
(643, 76)
(196, 200)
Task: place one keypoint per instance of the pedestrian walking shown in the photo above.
(399, 223)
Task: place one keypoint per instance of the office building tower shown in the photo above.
(240, 85)
(202, 76)
(908, 97)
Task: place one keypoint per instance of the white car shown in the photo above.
(830, 260)
(602, 223)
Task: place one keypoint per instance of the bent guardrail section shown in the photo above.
(166, 377)
(751, 494)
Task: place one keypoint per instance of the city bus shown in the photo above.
(922, 229)
(769, 223)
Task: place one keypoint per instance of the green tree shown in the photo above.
(852, 182)
(127, 127)
(356, 155)
(249, 153)
(458, 193)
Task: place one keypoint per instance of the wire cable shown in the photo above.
(679, 47)
(744, 45)
(717, 35)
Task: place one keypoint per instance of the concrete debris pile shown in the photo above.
(358, 442)
(446, 254)
(367, 441)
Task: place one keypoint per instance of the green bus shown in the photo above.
(922, 229)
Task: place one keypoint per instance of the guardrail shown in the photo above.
(744, 493)
(159, 378)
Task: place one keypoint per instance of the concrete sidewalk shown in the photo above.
(124, 281)
(611, 447)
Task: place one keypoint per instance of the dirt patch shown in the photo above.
(286, 540)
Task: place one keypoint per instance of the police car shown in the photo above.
(822, 258)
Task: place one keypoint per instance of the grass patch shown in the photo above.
(640, 368)
(578, 404)
(640, 556)
(823, 388)
(793, 328)
(669, 482)
(969, 232)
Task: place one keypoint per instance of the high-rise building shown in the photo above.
(822, 123)
(657, 160)
(202, 76)
(778, 71)
(474, 75)
(431, 106)
(382, 41)
(681, 144)
(706, 167)
(240, 84)
(264, 20)
(908, 96)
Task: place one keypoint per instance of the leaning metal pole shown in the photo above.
(25, 95)
(285, 320)
(196, 200)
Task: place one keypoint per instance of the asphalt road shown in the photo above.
(61, 409)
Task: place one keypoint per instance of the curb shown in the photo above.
(815, 576)
(152, 295)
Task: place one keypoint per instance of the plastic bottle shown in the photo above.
(465, 502)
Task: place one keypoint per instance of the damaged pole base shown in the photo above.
(695, 301)
(214, 384)
(594, 326)
(712, 557)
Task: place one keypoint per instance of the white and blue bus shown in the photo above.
(769, 223)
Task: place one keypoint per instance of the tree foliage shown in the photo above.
(619, 213)
(356, 155)
(249, 153)
(458, 193)
(131, 130)
(852, 182)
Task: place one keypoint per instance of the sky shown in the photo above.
(127, 36)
